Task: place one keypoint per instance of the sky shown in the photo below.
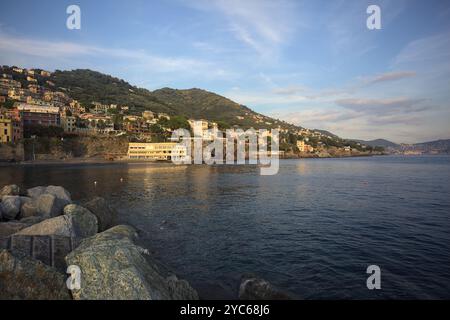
(311, 63)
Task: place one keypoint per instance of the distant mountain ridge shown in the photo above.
(379, 143)
(431, 147)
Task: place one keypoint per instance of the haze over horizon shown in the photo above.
(311, 63)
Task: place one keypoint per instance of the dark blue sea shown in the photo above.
(311, 230)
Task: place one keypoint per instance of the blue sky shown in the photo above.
(313, 63)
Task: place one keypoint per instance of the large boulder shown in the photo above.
(10, 207)
(27, 279)
(48, 206)
(85, 222)
(10, 190)
(253, 288)
(36, 192)
(32, 220)
(106, 215)
(78, 224)
(11, 227)
(49, 201)
(113, 267)
(28, 209)
(59, 192)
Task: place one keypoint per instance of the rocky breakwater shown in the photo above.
(42, 233)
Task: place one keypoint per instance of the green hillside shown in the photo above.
(87, 86)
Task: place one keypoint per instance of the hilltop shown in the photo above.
(87, 86)
(380, 143)
(431, 147)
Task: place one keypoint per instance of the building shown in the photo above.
(156, 151)
(303, 147)
(163, 115)
(202, 123)
(137, 127)
(68, 123)
(148, 115)
(39, 115)
(34, 88)
(100, 108)
(10, 129)
(5, 129)
(45, 73)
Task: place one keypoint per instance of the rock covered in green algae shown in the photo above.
(77, 222)
(27, 279)
(113, 267)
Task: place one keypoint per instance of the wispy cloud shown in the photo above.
(389, 76)
(383, 106)
(261, 25)
(427, 49)
(139, 58)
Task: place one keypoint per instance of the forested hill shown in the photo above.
(87, 86)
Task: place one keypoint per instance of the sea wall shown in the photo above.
(43, 148)
(11, 152)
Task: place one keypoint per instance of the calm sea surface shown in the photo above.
(312, 229)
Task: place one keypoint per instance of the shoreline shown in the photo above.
(96, 161)
(100, 161)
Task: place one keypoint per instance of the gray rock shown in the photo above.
(32, 220)
(24, 200)
(77, 225)
(10, 190)
(9, 228)
(49, 201)
(36, 192)
(1, 213)
(86, 223)
(253, 288)
(106, 215)
(48, 206)
(10, 207)
(113, 267)
(28, 209)
(28, 279)
(59, 192)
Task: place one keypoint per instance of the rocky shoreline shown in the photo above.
(43, 232)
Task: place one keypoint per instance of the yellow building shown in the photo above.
(303, 147)
(6, 129)
(202, 123)
(156, 151)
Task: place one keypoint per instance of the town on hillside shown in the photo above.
(32, 106)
